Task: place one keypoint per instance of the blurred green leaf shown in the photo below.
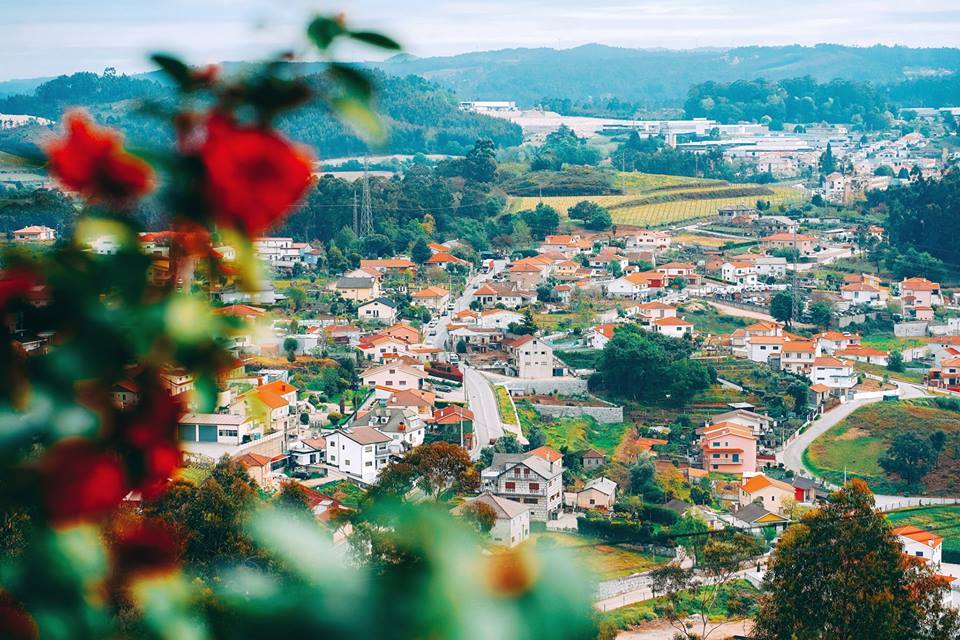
(376, 39)
(356, 83)
(175, 68)
(323, 30)
(359, 114)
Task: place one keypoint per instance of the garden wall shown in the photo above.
(601, 413)
(561, 386)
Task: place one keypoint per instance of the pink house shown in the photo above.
(729, 448)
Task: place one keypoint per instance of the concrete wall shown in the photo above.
(910, 329)
(562, 386)
(600, 413)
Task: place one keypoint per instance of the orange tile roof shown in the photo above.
(785, 237)
(919, 284)
(249, 460)
(799, 346)
(918, 535)
(756, 483)
(819, 388)
(270, 398)
(431, 292)
(548, 454)
(670, 321)
(279, 387)
(829, 361)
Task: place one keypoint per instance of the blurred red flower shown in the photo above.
(254, 175)
(80, 481)
(154, 421)
(15, 283)
(92, 161)
(142, 547)
(15, 622)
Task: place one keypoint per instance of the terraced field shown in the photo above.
(654, 200)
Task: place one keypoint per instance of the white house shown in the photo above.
(770, 266)
(394, 376)
(531, 357)
(833, 373)
(761, 348)
(378, 310)
(534, 479)
(673, 327)
(512, 525)
(921, 544)
(739, 272)
(360, 452)
(863, 293)
(221, 428)
(599, 493)
(403, 425)
(498, 318)
(35, 233)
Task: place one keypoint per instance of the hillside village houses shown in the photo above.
(381, 309)
(534, 479)
(35, 233)
(512, 524)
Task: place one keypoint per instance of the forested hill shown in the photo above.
(420, 116)
(661, 78)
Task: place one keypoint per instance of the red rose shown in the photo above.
(15, 284)
(91, 160)
(254, 175)
(80, 481)
(143, 547)
(154, 421)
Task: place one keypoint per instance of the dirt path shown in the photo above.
(663, 631)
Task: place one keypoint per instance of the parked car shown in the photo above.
(442, 388)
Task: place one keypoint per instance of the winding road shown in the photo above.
(792, 454)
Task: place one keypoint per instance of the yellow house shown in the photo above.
(358, 289)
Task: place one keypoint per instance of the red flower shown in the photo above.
(154, 421)
(254, 175)
(15, 622)
(143, 547)
(15, 284)
(80, 481)
(91, 160)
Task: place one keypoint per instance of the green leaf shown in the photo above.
(376, 39)
(323, 30)
(355, 82)
(175, 68)
(360, 115)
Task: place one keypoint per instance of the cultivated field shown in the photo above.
(654, 200)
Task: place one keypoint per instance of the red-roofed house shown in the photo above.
(920, 543)
(803, 243)
(673, 327)
(836, 374)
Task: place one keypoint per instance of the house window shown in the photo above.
(510, 486)
(736, 457)
(534, 486)
(369, 463)
(919, 554)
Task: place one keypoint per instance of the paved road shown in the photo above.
(483, 404)
(792, 455)
(463, 302)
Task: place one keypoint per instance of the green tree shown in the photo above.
(420, 252)
(828, 163)
(543, 220)
(910, 456)
(821, 313)
(781, 307)
(846, 549)
(481, 515)
(290, 347)
(442, 466)
(895, 361)
(536, 438)
(209, 517)
(480, 164)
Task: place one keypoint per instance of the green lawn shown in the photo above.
(576, 434)
(346, 492)
(914, 376)
(604, 561)
(890, 343)
(709, 320)
(857, 443)
(945, 519)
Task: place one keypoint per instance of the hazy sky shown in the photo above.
(49, 37)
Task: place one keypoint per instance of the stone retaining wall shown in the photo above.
(603, 414)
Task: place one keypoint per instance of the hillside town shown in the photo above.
(555, 367)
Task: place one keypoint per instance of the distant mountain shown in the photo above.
(657, 78)
(420, 116)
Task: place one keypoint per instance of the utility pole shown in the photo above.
(366, 211)
(356, 214)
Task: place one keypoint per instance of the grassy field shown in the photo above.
(944, 519)
(729, 605)
(914, 376)
(560, 321)
(604, 561)
(704, 241)
(891, 343)
(346, 492)
(580, 359)
(858, 442)
(709, 320)
(576, 434)
(504, 404)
